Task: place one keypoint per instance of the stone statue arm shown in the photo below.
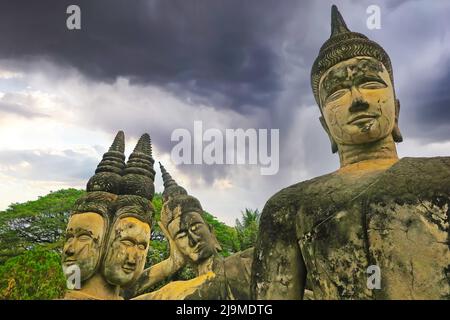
(162, 270)
(278, 270)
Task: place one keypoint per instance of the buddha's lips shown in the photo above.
(69, 261)
(129, 269)
(364, 116)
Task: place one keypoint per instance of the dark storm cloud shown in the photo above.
(432, 111)
(226, 54)
(189, 46)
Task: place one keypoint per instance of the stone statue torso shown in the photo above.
(396, 219)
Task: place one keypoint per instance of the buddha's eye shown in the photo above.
(127, 243)
(181, 235)
(195, 226)
(336, 95)
(372, 85)
(84, 237)
(141, 246)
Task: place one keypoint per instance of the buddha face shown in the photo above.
(127, 251)
(193, 236)
(357, 101)
(84, 238)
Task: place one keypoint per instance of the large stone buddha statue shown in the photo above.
(376, 212)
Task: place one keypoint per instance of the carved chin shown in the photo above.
(87, 266)
(201, 255)
(119, 276)
(364, 132)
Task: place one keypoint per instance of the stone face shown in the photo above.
(85, 236)
(127, 251)
(397, 219)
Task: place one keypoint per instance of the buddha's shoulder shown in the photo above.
(243, 257)
(436, 166)
(419, 172)
(412, 177)
(238, 266)
(289, 199)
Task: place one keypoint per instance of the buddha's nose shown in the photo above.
(358, 104)
(69, 250)
(193, 239)
(131, 258)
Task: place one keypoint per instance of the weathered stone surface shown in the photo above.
(397, 219)
(323, 235)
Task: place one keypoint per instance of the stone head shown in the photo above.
(129, 240)
(353, 84)
(183, 218)
(86, 232)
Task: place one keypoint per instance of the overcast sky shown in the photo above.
(157, 65)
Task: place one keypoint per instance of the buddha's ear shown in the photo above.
(334, 147)
(216, 242)
(396, 134)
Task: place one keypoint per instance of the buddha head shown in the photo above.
(352, 82)
(129, 238)
(86, 232)
(182, 216)
(89, 222)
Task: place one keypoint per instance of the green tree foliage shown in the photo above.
(41, 222)
(247, 229)
(35, 274)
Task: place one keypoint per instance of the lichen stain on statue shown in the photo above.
(108, 232)
(195, 243)
(323, 234)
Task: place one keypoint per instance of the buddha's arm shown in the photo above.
(278, 270)
(202, 287)
(155, 274)
(162, 270)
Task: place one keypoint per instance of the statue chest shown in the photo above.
(366, 245)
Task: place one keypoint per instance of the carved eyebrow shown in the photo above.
(181, 231)
(82, 230)
(128, 239)
(365, 78)
(194, 222)
(333, 89)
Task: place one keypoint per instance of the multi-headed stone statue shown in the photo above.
(90, 221)
(108, 232)
(195, 242)
(377, 228)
